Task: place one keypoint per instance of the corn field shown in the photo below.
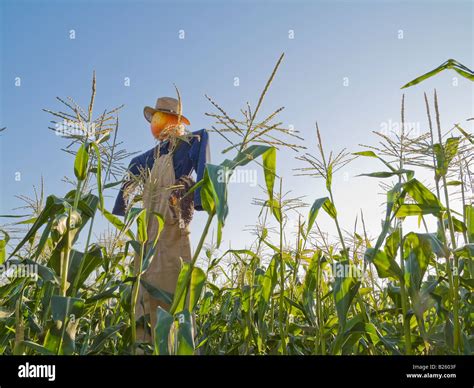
(401, 293)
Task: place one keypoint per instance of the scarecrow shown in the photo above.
(163, 176)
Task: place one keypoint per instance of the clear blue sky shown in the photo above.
(139, 40)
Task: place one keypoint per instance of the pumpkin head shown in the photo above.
(162, 124)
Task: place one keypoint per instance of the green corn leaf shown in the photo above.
(115, 221)
(47, 274)
(324, 203)
(386, 265)
(344, 291)
(90, 261)
(101, 340)
(3, 246)
(142, 226)
(112, 184)
(157, 293)
(268, 282)
(465, 74)
(449, 64)
(66, 311)
(426, 201)
(149, 253)
(214, 194)
(218, 176)
(436, 245)
(275, 208)
(427, 75)
(421, 194)
(43, 239)
(87, 206)
(64, 308)
(108, 293)
(417, 255)
(469, 209)
(330, 209)
(249, 154)
(181, 285)
(370, 154)
(164, 322)
(185, 334)
(198, 279)
(388, 174)
(407, 210)
(392, 243)
(269, 169)
(393, 195)
(81, 162)
(309, 286)
(38, 348)
(466, 251)
(161, 224)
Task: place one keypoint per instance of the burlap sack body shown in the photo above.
(173, 243)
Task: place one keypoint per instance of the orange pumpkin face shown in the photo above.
(162, 121)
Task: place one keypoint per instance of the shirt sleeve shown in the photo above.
(140, 161)
(200, 155)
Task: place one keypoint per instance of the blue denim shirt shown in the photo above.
(186, 158)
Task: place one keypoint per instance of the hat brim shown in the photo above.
(148, 112)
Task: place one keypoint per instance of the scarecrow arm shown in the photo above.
(138, 163)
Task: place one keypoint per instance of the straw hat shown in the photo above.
(167, 105)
